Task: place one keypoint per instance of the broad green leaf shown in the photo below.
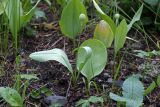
(104, 33)
(133, 95)
(29, 76)
(136, 17)
(70, 23)
(96, 63)
(105, 17)
(54, 54)
(151, 87)
(158, 80)
(133, 92)
(11, 96)
(95, 99)
(120, 36)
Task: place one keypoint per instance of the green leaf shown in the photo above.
(96, 63)
(91, 99)
(133, 91)
(54, 54)
(151, 87)
(14, 11)
(158, 80)
(136, 17)
(133, 95)
(116, 97)
(83, 103)
(143, 54)
(29, 76)
(105, 17)
(11, 96)
(95, 99)
(97, 7)
(120, 36)
(70, 23)
(88, 52)
(104, 33)
(3, 4)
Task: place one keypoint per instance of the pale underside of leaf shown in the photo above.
(133, 91)
(54, 54)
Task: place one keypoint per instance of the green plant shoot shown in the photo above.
(104, 33)
(133, 92)
(73, 18)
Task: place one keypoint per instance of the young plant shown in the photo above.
(104, 33)
(143, 54)
(133, 92)
(91, 59)
(73, 18)
(94, 64)
(12, 95)
(91, 99)
(119, 31)
(107, 30)
(16, 16)
(153, 85)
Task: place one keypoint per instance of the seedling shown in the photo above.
(36, 94)
(91, 59)
(12, 95)
(119, 31)
(108, 30)
(143, 54)
(152, 86)
(89, 101)
(16, 16)
(132, 96)
(73, 18)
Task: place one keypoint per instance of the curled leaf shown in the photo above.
(54, 54)
(104, 33)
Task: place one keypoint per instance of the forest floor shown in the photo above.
(56, 78)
